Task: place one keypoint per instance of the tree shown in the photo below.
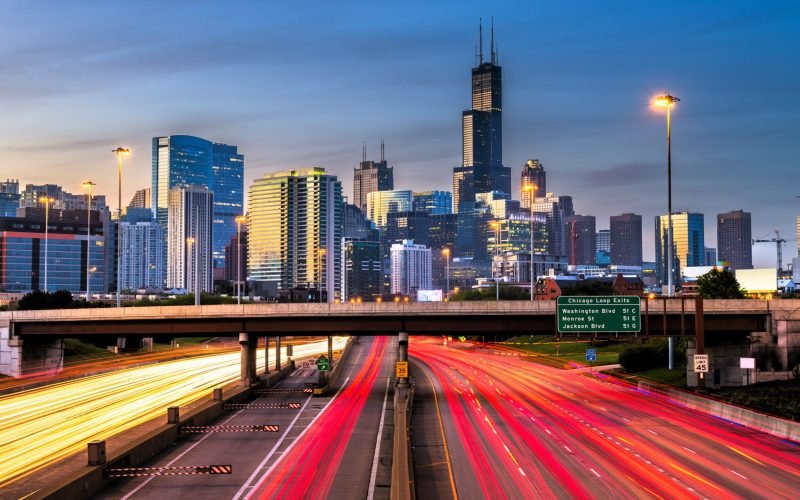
(720, 284)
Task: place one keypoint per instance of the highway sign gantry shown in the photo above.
(617, 313)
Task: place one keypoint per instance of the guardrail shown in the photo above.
(402, 487)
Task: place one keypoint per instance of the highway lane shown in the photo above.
(327, 449)
(41, 426)
(515, 429)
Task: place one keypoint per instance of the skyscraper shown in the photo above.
(482, 169)
(361, 269)
(142, 260)
(688, 244)
(734, 239)
(626, 239)
(184, 160)
(295, 225)
(9, 198)
(433, 202)
(371, 176)
(141, 199)
(603, 240)
(533, 174)
(556, 209)
(411, 268)
(581, 239)
(442, 233)
(189, 245)
(407, 226)
(380, 203)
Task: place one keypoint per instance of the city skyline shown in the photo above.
(590, 95)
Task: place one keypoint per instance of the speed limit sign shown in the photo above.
(701, 363)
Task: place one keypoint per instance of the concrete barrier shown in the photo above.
(336, 373)
(91, 479)
(402, 487)
(775, 426)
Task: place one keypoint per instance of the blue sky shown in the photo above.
(305, 83)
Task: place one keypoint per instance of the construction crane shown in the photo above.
(779, 245)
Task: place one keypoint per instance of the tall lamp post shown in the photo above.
(239, 221)
(667, 101)
(320, 253)
(532, 189)
(192, 259)
(47, 200)
(446, 253)
(88, 186)
(120, 152)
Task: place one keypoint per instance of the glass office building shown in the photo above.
(688, 244)
(24, 250)
(183, 160)
(380, 203)
(433, 202)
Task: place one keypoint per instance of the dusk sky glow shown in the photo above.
(305, 83)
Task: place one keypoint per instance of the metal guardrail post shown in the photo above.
(96, 452)
(173, 415)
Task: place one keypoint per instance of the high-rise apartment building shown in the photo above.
(62, 200)
(442, 234)
(411, 268)
(361, 269)
(371, 176)
(533, 174)
(734, 240)
(142, 261)
(482, 169)
(688, 244)
(710, 256)
(295, 225)
(190, 212)
(433, 202)
(556, 209)
(603, 240)
(141, 199)
(380, 203)
(236, 266)
(581, 239)
(183, 160)
(356, 224)
(626, 239)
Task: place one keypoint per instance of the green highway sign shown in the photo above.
(323, 364)
(618, 313)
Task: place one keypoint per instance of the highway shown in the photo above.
(40, 426)
(330, 448)
(515, 429)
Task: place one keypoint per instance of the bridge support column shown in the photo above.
(266, 355)
(278, 353)
(330, 350)
(248, 358)
(402, 354)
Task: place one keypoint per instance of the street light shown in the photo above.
(320, 253)
(47, 200)
(239, 221)
(120, 152)
(532, 188)
(667, 101)
(446, 253)
(88, 186)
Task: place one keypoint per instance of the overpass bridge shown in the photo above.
(735, 320)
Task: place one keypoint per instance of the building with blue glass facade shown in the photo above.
(24, 250)
(183, 160)
(433, 202)
(688, 244)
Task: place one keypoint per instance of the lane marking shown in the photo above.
(258, 468)
(741, 476)
(441, 429)
(595, 472)
(376, 458)
(690, 451)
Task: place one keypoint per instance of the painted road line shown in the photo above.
(373, 475)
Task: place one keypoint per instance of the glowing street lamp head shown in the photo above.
(241, 219)
(88, 184)
(120, 151)
(46, 199)
(190, 240)
(529, 187)
(446, 252)
(664, 101)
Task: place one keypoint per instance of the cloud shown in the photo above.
(626, 174)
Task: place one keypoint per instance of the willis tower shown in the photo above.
(482, 169)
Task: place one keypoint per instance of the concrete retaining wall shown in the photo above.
(402, 468)
(760, 421)
(90, 480)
